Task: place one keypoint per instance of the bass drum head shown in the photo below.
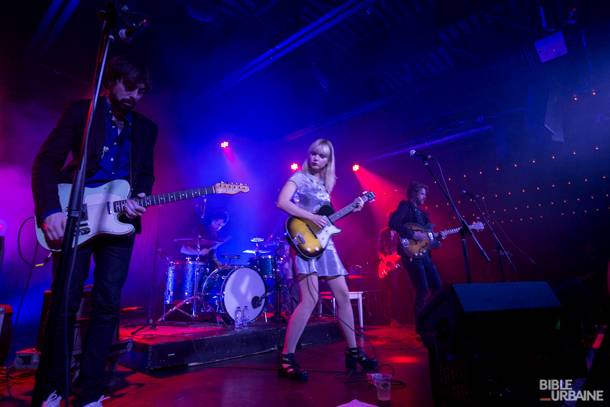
(228, 288)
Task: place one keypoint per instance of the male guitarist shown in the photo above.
(120, 147)
(422, 271)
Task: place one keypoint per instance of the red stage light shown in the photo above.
(294, 166)
(224, 144)
(355, 167)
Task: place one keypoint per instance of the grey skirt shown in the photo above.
(327, 265)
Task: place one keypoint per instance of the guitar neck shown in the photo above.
(160, 199)
(341, 213)
(453, 231)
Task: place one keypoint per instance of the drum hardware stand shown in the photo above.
(190, 300)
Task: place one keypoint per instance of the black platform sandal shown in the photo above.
(355, 357)
(290, 369)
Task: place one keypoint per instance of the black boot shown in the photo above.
(355, 356)
(290, 368)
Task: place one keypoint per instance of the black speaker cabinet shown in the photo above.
(493, 342)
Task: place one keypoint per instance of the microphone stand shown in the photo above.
(500, 249)
(465, 230)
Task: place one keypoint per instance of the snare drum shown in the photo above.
(266, 265)
(227, 288)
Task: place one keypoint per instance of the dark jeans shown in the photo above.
(424, 278)
(111, 256)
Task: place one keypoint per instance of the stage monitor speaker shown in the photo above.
(493, 342)
(6, 316)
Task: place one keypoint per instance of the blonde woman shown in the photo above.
(302, 195)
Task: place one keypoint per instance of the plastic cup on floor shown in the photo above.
(383, 384)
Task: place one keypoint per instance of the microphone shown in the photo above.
(425, 157)
(132, 30)
(470, 194)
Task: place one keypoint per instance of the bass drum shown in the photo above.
(228, 288)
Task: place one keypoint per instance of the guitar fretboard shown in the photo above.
(346, 210)
(455, 230)
(159, 199)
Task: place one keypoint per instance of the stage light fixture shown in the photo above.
(355, 167)
(224, 144)
(294, 166)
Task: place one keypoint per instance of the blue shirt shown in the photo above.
(115, 159)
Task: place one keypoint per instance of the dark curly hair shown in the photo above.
(131, 72)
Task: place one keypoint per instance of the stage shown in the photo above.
(253, 380)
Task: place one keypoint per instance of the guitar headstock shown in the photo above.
(230, 188)
(478, 226)
(368, 196)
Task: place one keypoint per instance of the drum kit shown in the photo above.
(197, 290)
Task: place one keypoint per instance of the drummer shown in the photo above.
(207, 241)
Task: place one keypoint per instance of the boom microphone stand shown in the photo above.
(502, 252)
(465, 230)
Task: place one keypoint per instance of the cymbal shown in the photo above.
(197, 240)
(249, 251)
(257, 239)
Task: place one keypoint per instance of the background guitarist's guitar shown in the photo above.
(387, 264)
(308, 239)
(416, 248)
(103, 205)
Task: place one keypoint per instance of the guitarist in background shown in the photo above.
(120, 147)
(422, 271)
(302, 195)
(392, 276)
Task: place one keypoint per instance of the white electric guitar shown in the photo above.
(103, 205)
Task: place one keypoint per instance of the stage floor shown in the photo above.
(253, 380)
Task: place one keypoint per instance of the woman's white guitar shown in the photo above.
(103, 205)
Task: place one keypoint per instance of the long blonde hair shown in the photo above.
(328, 173)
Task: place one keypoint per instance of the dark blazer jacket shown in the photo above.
(59, 156)
(407, 213)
